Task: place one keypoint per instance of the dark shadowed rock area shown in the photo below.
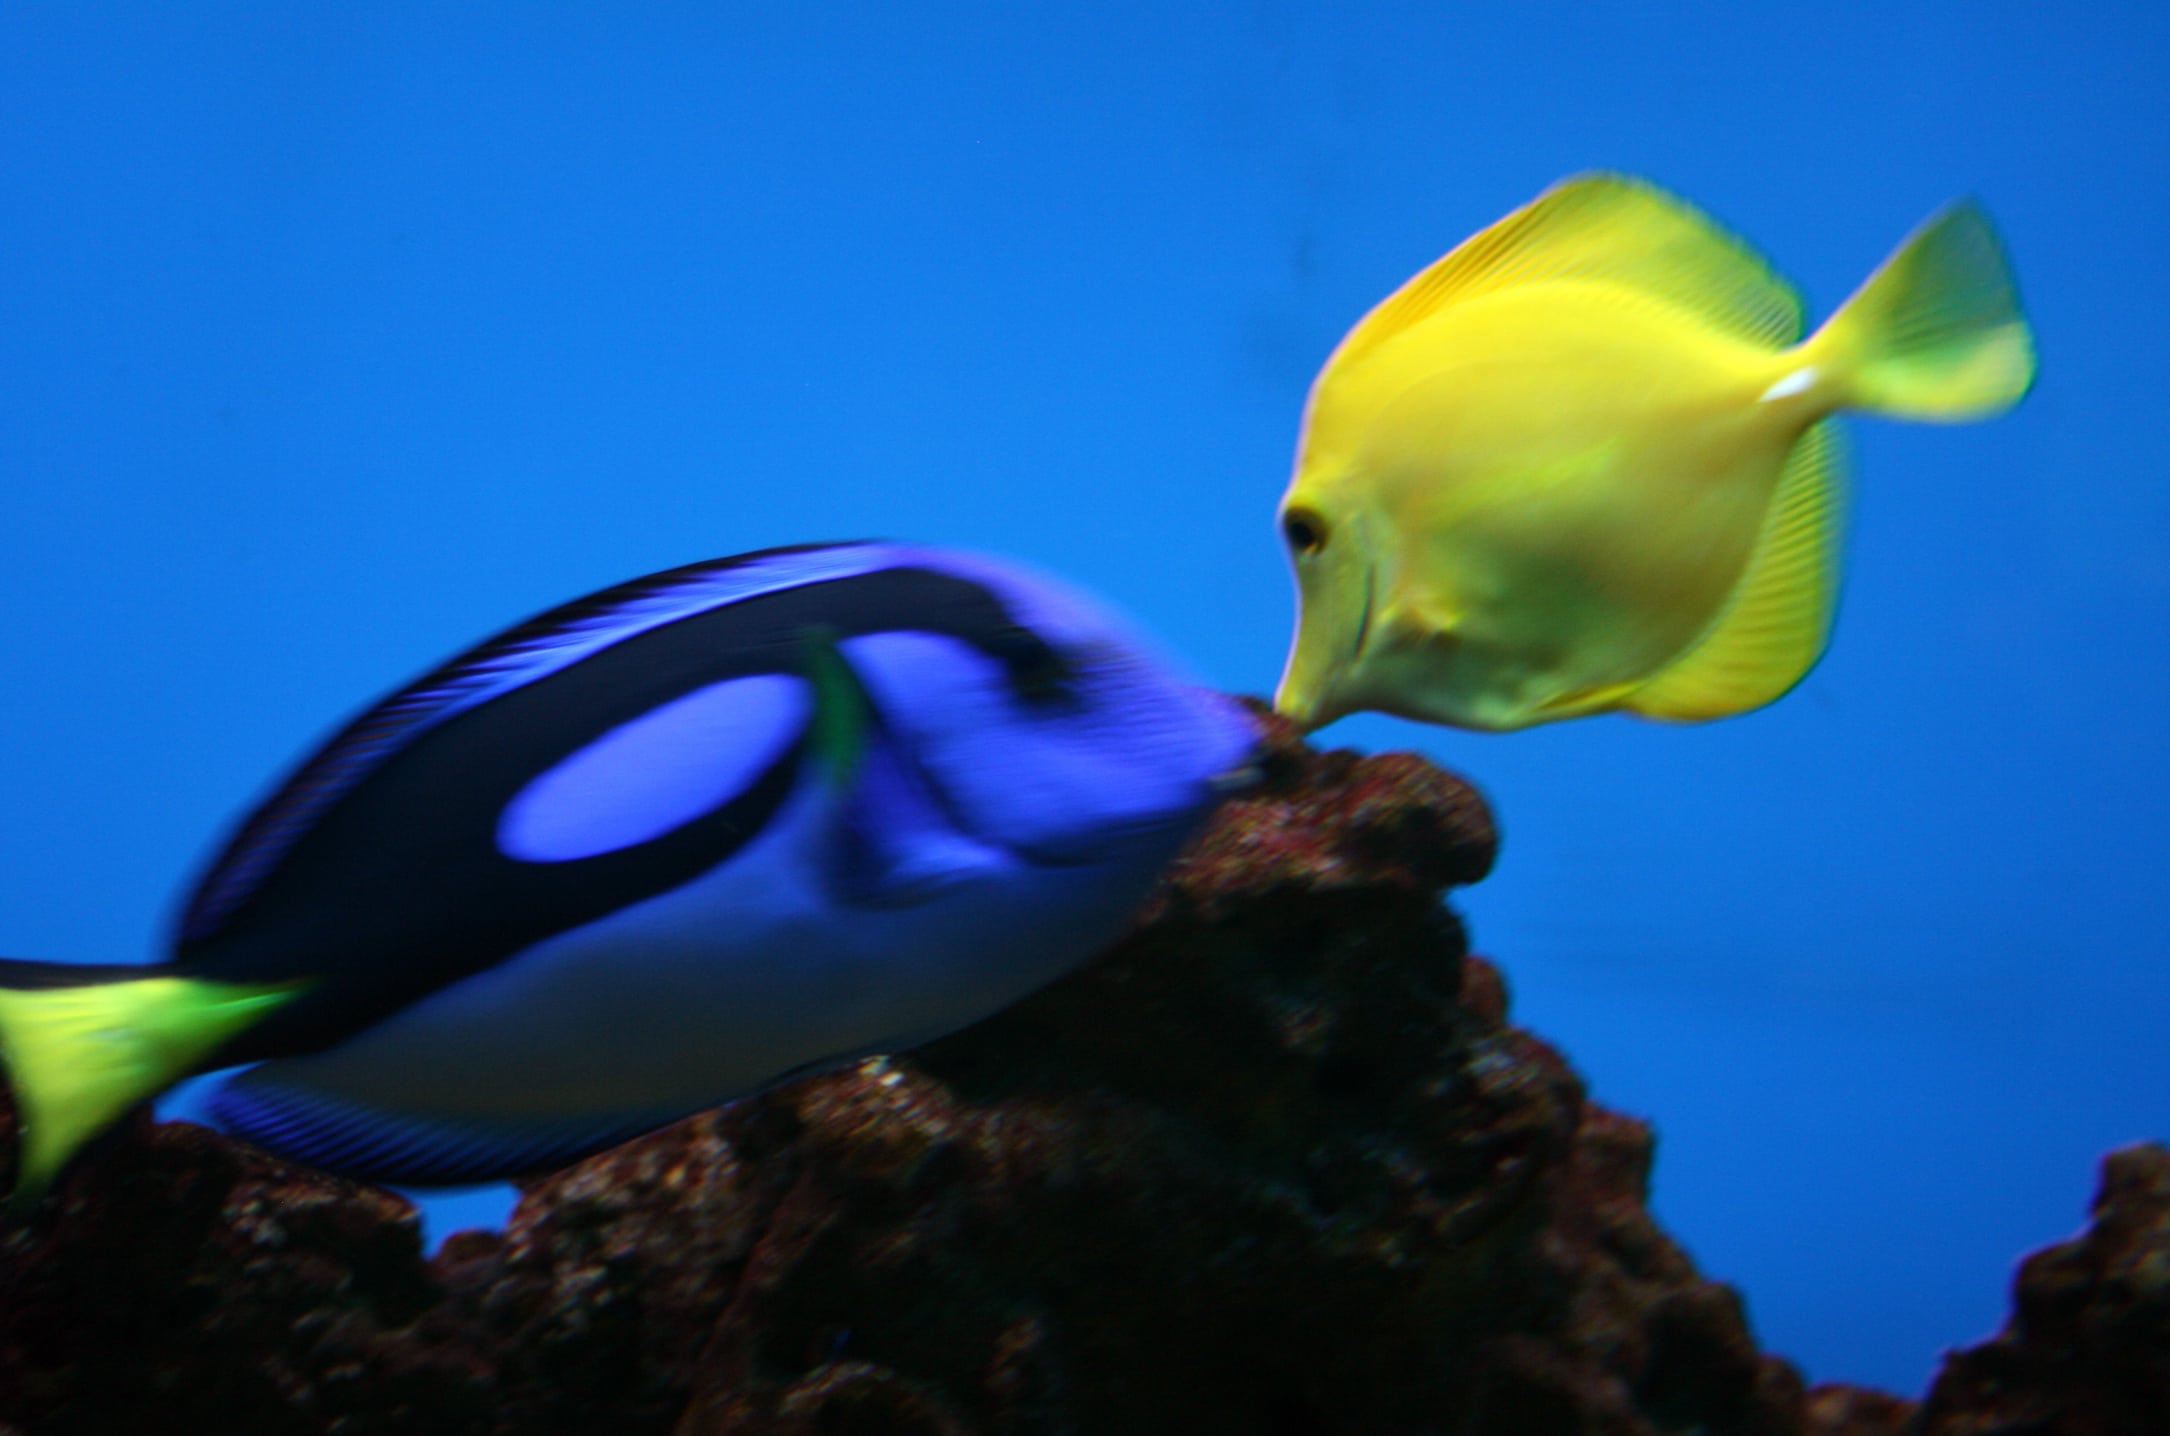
(1274, 1165)
(2087, 1349)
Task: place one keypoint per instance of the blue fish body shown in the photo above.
(683, 839)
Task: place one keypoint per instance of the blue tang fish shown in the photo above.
(659, 848)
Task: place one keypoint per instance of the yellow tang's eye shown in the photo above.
(1304, 530)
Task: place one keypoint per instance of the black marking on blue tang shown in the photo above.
(387, 883)
(521, 654)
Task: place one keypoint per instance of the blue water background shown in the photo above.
(332, 338)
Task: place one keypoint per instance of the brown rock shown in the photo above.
(2087, 1349)
(1274, 1164)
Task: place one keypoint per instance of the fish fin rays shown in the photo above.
(1776, 624)
(1605, 227)
(302, 1123)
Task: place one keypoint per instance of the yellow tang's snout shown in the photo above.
(1337, 588)
(1368, 639)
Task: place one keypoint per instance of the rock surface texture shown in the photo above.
(1274, 1165)
(2087, 1350)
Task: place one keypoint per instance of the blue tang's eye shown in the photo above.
(1038, 673)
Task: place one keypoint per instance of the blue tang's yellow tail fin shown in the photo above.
(83, 1051)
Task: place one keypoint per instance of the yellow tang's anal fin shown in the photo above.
(1577, 702)
(80, 1056)
(1774, 627)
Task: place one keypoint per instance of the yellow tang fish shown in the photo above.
(1585, 462)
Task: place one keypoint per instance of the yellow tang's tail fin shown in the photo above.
(1936, 333)
(81, 1053)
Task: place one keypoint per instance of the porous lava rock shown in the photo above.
(1276, 1164)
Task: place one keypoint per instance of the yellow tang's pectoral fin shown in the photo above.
(1773, 629)
(1417, 616)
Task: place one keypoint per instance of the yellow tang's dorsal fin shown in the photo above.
(1773, 628)
(1603, 227)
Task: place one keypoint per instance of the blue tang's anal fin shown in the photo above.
(295, 1120)
(891, 841)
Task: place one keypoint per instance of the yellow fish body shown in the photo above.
(1581, 463)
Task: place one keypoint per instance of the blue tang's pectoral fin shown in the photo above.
(276, 1108)
(889, 841)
